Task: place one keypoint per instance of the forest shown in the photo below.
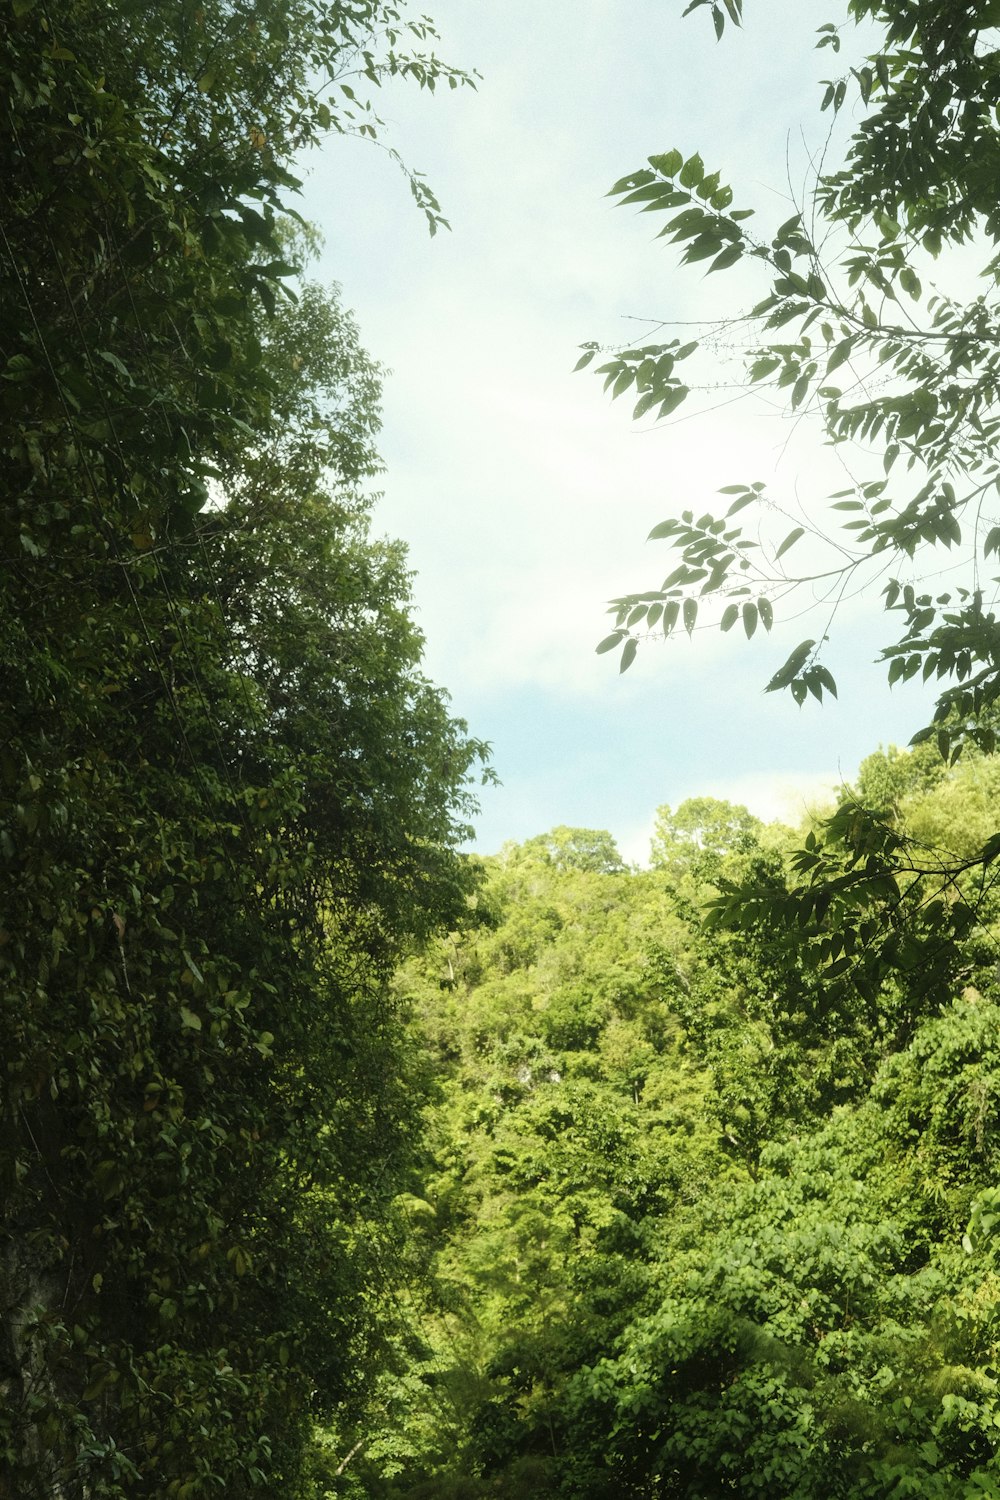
(337, 1161)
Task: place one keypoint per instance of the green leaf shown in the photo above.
(189, 1019)
(692, 171)
(670, 403)
(794, 664)
(789, 542)
(910, 283)
(749, 619)
(841, 352)
(789, 229)
(657, 196)
(628, 654)
(764, 366)
(701, 248)
(634, 180)
(668, 164)
(729, 616)
(747, 498)
(690, 614)
(729, 257)
(826, 680)
(610, 642)
(103, 1378)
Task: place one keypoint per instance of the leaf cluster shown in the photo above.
(900, 376)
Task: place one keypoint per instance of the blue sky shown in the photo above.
(524, 496)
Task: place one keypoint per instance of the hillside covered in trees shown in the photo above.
(684, 1224)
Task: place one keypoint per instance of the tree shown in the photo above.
(228, 798)
(701, 833)
(576, 848)
(567, 1122)
(683, 1226)
(822, 1331)
(903, 381)
(904, 384)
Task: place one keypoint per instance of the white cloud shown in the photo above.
(782, 796)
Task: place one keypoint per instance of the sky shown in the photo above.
(525, 495)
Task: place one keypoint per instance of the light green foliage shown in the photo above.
(890, 776)
(570, 1122)
(889, 897)
(948, 809)
(697, 1219)
(826, 1336)
(699, 834)
(227, 795)
(575, 848)
(750, 1000)
(962, 816)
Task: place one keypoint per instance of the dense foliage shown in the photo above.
(227, 795)
(673, 1183)
(686, 1226)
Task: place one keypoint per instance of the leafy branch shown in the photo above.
(934, 408)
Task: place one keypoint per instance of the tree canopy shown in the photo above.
(685, 1222)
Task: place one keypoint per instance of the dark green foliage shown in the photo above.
(227, 796)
